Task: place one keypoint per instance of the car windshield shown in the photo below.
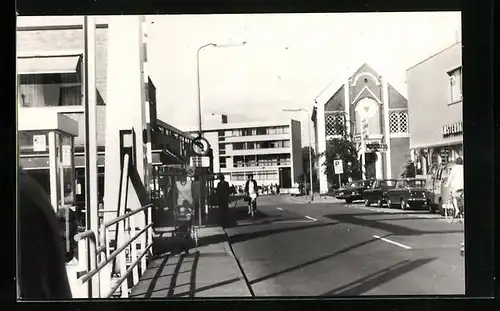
(416, 183)
(388, 183)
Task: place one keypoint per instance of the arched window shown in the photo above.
(368, 109)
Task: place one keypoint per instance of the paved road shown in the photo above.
(332, 249)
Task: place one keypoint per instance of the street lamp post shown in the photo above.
(200, 130)
(310, 149)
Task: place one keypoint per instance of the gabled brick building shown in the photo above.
(366, 95)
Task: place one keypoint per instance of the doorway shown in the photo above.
(285, 177)
(371, 165)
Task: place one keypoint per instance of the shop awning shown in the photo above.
(48, 64)
(49, 69)
(166, 157)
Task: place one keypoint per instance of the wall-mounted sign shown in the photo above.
(39, 143)
(452, 130)
(376, 147)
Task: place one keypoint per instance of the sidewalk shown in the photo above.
(209, 270)
(305, 199)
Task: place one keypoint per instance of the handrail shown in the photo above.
(112, 256)
(126, 215)
(124, 277)
(91, 235)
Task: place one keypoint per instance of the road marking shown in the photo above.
(392, 242)
(292, 221)
(313, 219)
(279, 208)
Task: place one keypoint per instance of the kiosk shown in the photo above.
(46, 152)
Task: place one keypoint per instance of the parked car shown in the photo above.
(437, 192)
(378, 191)
(409, 192)
(354, 191)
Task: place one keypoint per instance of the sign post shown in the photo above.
(338, 169)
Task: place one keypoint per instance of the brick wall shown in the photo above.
(400, 153)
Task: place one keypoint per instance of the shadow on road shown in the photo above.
(259, 234)
(311, 262)
(393, 229)
(374, 280)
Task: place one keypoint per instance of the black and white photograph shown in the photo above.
(249, 155)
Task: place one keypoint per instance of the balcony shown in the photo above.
(261, 151)
(255, 138)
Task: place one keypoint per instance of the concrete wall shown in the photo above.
(429, 97)
(296, 137)
(400, 153)
(396, 100)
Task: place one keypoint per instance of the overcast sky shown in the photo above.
(288, 60)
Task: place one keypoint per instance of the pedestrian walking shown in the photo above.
(223, 192)
(251, 193)
(455, 183)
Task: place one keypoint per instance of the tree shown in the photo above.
(342, 147)
(305, 164)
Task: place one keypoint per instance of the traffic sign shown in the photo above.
(338, 167)
(200, 146)
(200, 161)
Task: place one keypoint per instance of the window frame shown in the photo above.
(451, 77)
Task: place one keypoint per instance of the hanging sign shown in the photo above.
(39, 143)
(338, 167)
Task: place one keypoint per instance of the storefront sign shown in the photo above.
(452, 130)
(376, 147)
(39, 143)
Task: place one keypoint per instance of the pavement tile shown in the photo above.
(216, 271)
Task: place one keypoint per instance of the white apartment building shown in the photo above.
(269, 150)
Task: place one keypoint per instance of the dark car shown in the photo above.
(408, 192)
(377, 192)
(354, 191)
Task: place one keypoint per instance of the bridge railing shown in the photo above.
(101, 257)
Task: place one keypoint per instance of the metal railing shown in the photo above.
(101, 255)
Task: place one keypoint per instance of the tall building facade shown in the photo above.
(270, 150)
(366, 96)
(435, 108)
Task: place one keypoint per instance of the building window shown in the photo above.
(221, 133)
(286, 129)
(250, 145)
(286, 143)
(334, 123)
(222, 162)
(455, 84)
(238, 146)
(398, 122)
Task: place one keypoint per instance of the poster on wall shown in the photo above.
(66, 156)
(39, 143)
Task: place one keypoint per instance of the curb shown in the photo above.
(242, 272)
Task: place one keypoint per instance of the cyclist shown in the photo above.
(251, 192)
(455, 182)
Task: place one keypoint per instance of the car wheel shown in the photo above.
(403, 204)
(367, 203)
(389, 203)
(379, 203)
(430, 207)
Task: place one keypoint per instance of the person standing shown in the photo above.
(223, 192)
(42, 268)
(251, 192)
(455, 183)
